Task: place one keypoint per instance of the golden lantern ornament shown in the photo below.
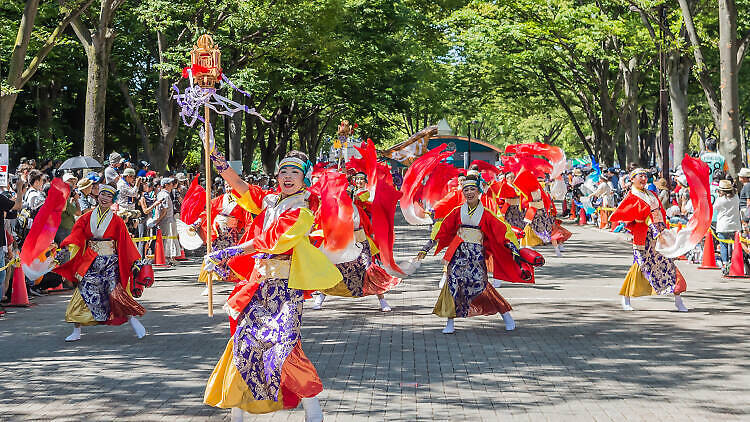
(205, 60)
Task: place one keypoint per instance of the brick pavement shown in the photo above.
(574, 356)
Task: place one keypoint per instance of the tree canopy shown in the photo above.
(580, 74)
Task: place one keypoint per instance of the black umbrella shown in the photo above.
(80, 162)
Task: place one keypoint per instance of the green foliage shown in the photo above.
(392, 66)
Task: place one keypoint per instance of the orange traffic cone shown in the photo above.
(19, 297)
(709, 254)
(159, 260)
(582, 217)
(182, 255)
(737, 269)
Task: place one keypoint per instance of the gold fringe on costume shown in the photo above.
(78, 312)
(636, 284)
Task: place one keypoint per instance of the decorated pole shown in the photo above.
(205, 60)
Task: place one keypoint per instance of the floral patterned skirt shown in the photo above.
(467, 292)
(362, 277)
(542, 225)
(514, 217)
(263, 367)
(652, 272)
(100, 298)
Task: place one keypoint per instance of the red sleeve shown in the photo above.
(630, 209)
(444, 206)
(269, 238)
(448, 229)
(127, 253)
(78, 237)
(504, 266)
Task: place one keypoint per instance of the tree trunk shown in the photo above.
(97, 54)
(729, 132)
(629, 122)
(168, 114)
(678, 68)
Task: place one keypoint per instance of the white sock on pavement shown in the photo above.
(237, 415)
(313, 412)
(449, 329)
(140, 331)
(384, 305)
(510, 324)
(319, 301)
(679, 304)
(557, 251)
(75, 335)
(626, 304)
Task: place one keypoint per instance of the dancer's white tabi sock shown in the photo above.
(75, 335)
(679, 304)
(319, 301)
(449, 329)
(510, 325)
(384, 305)
(140, 331)
(237, 415)
(626, 304)
(557, 251)
(313, 412)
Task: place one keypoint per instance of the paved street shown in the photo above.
(574, 356)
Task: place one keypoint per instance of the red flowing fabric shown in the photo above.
(549, 152)
(538, 166)
(194, 202)
(383, 214)
(527, 183)
(696, 173)
(47, 220)
(438, 184)
(336, 210)
(384, 197)
(488, 170)
(417, 172)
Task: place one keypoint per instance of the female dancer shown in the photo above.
(263, 368)
(102, 265)
(651, 272)
(472, 235)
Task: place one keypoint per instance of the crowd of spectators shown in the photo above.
(147, 201)
(730, 198)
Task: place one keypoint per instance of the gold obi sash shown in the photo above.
(103, 247)
(470, 235)
(537, 204)
(513, 201)
(360, 236)
(277, 267)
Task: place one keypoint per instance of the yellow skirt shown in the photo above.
(339, 289)
(636, 284)
(78, 312)
(530, 239)
(227, 389)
